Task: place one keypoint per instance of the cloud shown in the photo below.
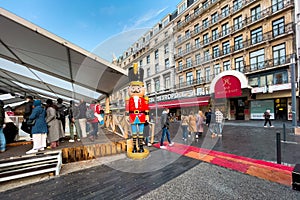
(147, 20)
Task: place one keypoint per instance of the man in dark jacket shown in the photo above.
(2, 125)
(62, 110)
(165, 123)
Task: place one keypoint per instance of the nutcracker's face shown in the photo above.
(136, 90)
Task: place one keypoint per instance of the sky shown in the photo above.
(105, 28)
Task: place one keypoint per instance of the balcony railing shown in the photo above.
(246, 22)
(275, 62)
(268, 36)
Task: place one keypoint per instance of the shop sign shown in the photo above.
(172, 96)
(228, 86)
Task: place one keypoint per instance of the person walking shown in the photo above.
(184, 126)
(208, 117)
(192, 124)
(82, 117)
(165, 124)
(219, 122)
(94, 122)
(39, 129)
(2, 126)
(267, 116)
(54, 125)
(200, 122)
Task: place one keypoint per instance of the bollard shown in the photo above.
(278, 148)
(284, 132)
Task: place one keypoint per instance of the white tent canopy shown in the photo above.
(71, 69)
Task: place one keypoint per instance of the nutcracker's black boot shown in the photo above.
(134, 150)
(141, 139)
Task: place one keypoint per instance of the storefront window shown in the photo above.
(280, 78)
(253, 81)
(270, 79)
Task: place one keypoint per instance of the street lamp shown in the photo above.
(293, 82)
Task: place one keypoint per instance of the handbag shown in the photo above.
(30, 122)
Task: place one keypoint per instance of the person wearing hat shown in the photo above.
(2, 125)
(137, 107)
(39, 129)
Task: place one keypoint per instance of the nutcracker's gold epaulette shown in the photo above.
(146, 98)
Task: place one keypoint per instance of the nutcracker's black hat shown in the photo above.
(136, 75)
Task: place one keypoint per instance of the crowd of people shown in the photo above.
(46, 122)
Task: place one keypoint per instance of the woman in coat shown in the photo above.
(200, 123)
(54, 126)
(192, 123)
(39, 129)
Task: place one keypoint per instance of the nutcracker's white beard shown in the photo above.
(136, 101)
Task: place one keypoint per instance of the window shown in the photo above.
(215, 34)
(239, 64)
(253, 81)
(200, 91)
(156, 68)
(281, 77)
(255, 13)
(166, 48)
(205, 23)
(157, 85)
(217, 69)
(277, 5)
(238, 42)
(148, 59)
(187, 34)
(141, 63)
(197, 28)
(180, 66)
(167, 82)
(179, 38)
(278, 27)
(257, 59)
(225, 29)
(237, 4)
(207, 74)
(205, 4)
(226, 47)
(238, 23)
(279, 56)
(156, 54)
(206, 55)
(198, 59)
(216, 51)
(180, 51)
(189, 62)
(226, 65)
(149, 87)
(197, 43)
(181, 7)
(148, 72)
(198, 76)
(167, 63)
(196, 11)
(180, 79)
(205, 38)
(214, 18)
(225, 11)
(187, 17)
(189, 78)
(256, 35)
(188, 47)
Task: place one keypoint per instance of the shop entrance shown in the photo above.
(281, 109)
(240, 108)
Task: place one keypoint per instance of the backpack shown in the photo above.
(90, 114)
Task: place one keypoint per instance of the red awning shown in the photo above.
(179, 103)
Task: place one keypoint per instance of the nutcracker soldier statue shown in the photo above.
(137, 109)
